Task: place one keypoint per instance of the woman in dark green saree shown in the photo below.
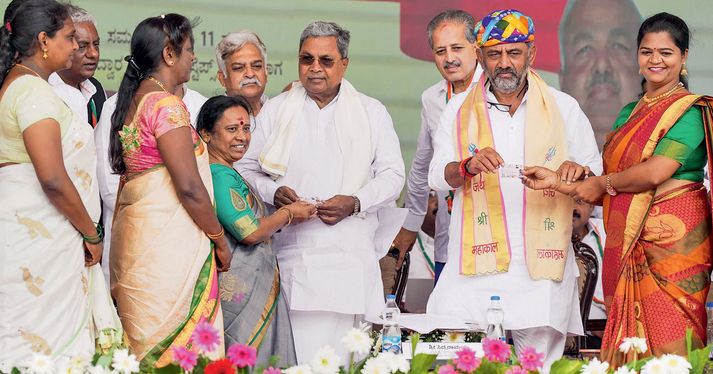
(254, 310)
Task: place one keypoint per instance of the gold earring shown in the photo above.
(44, 53)
(684, 71)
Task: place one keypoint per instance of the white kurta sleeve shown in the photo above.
(387, 166)
(443, 150)
(108, 182)
(581, 143)
(417, 189)
(249, 165)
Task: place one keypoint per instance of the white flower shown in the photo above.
(125, 363)
(357, 340)
(595, 367)
(99, 370)
(639, 345)
(325, 361)
(675, 364)
(40, 364)
(394, 362)
(453, 337)
(654, 366)
(298, 369)
(624, 370)
(375, 366)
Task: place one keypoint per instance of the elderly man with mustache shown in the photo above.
(452, 41)
(242, 58)
(77, 86)
(504, 240)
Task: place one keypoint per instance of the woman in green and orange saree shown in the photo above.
(163, 267)
(657, 214)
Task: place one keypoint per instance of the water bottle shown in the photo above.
(495, 316)
(709, 326)
(391, 333)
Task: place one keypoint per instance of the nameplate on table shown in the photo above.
(445, 351)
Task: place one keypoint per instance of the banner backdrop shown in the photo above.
(587, 47)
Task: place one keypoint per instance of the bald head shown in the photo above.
(598, 52)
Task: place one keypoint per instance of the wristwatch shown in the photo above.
(357, 206)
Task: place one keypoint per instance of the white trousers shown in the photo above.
(544, 339)
(313, 330)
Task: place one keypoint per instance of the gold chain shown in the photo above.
(28, 68)
(661, 96)
(152, 79)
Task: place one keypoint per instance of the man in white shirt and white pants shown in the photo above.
(325, 142)
(504, 240)
(452, 41)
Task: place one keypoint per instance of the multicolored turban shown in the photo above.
(504, 26)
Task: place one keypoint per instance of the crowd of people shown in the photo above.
(137, 218)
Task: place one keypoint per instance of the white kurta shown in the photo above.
(108, 181)
(527, 303)
(329, 268)
(433, 101)
(595, 238)
(76, 99)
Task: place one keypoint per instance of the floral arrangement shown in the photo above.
(498, 358)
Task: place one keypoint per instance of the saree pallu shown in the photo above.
(657, 257)
(163, 271)
(254, 307)
(50, 303)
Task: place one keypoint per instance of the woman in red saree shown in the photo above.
(657, 257)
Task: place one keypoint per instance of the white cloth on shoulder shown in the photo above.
(353, 134)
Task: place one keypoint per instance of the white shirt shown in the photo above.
(433, 101)
(527, 303)
(329, 268)
(76, 99)
(108, 181)
(595, 238)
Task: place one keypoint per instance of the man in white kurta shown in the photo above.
(538, 313)
(452, 42)
(328, 268)
(108, 181)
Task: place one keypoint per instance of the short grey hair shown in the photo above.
(80, 15)
(455, 16)
(234, 42)
(565, 18)
(321, 28)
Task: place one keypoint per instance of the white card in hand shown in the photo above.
(511, 171)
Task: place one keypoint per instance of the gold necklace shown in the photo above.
(28, 68)
(661, 96)
(152, 79)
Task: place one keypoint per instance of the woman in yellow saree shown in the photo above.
(163, 269)
(657, 257)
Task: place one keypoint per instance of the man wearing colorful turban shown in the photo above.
(507, 240)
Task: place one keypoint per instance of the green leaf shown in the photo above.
(636, 366)
(168, 369)
(104, 360)
(698, 359)
(415, 338)
(487, 367)
(689, 340)
(421, 363)
(273, 361)
(15, 371)
(566, 366)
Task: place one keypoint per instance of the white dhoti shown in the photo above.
(313, 330)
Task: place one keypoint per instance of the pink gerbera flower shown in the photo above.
(447, 369)
(496, 350)
(516, 370)
(184, 358)
(272, 370)
(466, 360)
(205, 337)
(530, 359)
(242, 355)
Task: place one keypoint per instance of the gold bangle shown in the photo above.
(217, 236)
(289, 215)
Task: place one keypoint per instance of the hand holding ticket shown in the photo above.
(511, 171)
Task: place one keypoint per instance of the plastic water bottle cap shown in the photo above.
(709, 304)
(495, 298)
(390, 297)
